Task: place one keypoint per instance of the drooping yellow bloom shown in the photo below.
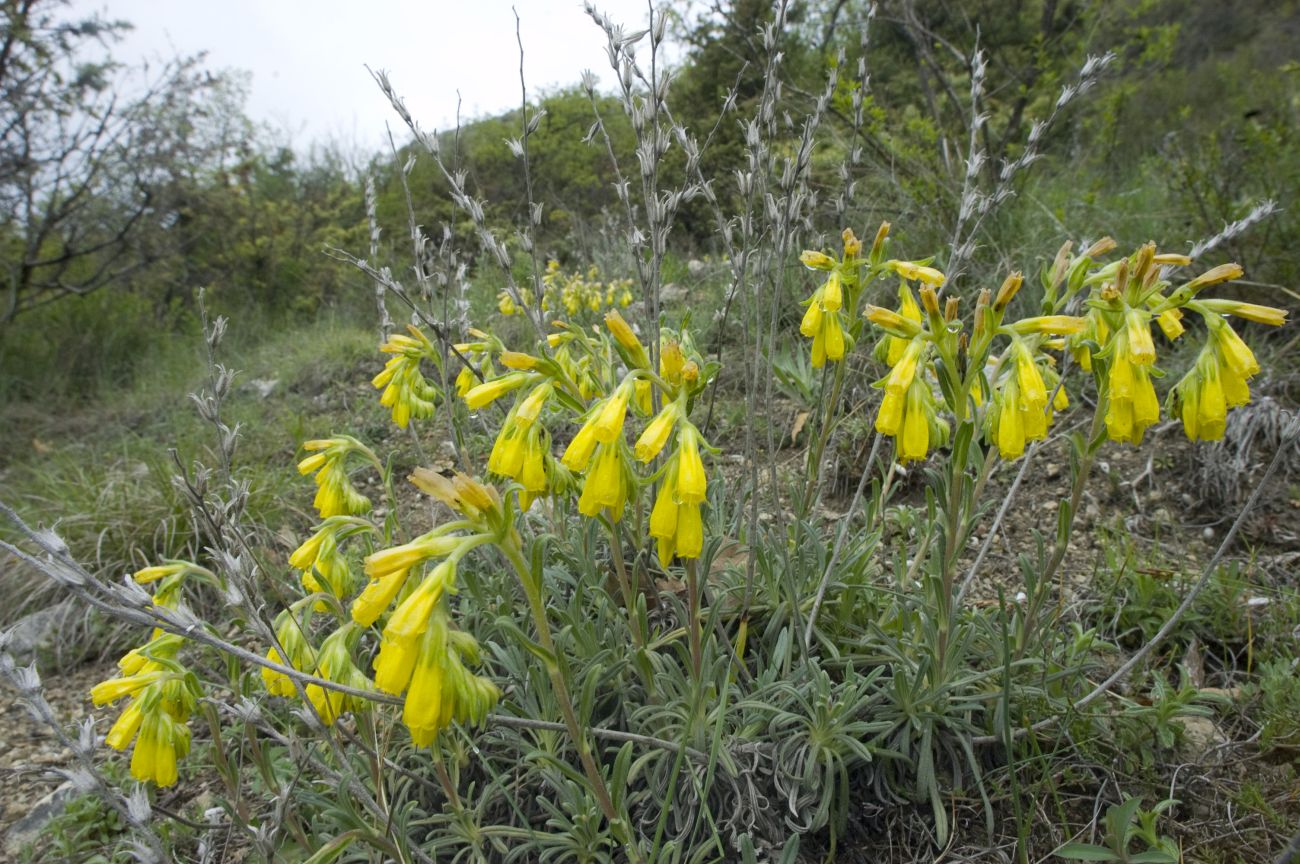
(335, 494)
(161, 700)
(631, 348)
(914, 443)
(441, 688)
(910, 417)
(1133, 404)
(1200, 400)
(388, 569)
(1268, 315)
(657, 432)
(489, 391)
(334, 663)
(692, 482)
(324, 567)
(578, 453)
(400, 641)
(406, 391)
(301, 656)
(161, 741)
(823, 320)
(900, 376)
(607, 423)
(506, 304)
(608, 483)
(1137, 330)
(676, 524)
(122, 733)
(1235, 352)
(917, 272)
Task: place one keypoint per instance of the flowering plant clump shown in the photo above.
(577, 295)
(595, 432)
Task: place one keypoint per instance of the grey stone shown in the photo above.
(671, 292)
(29, 828)
(38, 630)
(262, 387)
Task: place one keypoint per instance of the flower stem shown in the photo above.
(560, 684)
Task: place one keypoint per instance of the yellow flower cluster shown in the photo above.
(572, 293)
(323, 565)
(162, 692)
(577, 377)
(925, 349)
(335, 494)
(406, 391)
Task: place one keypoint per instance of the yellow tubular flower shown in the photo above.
(400, 642)
(578, 453)
(335, 494)
(692, 482)
(914, 443)
(608, 422)
(518, 361)
(605, 485)
(465, 380)
(832, 339)
(811, 325)
(889, 417)
(1171, 323)
(406, 391)
(507, 456)
(160, 742)
(533, 473)
(917, 272)
(1133, 403)
(115, 688)
(690, 531)
(128, 723)
(489, 391)
(664, 515)
(1141, 348)
(816, 260)
(656, 433)
(1250, 311)
(1009, 431)
(1234, 351)
(832, 293)
(901, 327)
(633, 350)
(1058, 325)
(161, 571)
(1029, 379)
(389, 568)
(900, 377)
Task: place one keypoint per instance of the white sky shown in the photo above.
(307, 56)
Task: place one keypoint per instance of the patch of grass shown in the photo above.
(103, 472)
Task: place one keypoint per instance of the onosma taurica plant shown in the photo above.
(616, 626)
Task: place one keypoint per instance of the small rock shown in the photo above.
(27, 829)
(1161, 516)
(262, 387)
(1053, 470)
(695, 266)
(38, 630)
(1200, 736)
(672, 293)
(1208, 533)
